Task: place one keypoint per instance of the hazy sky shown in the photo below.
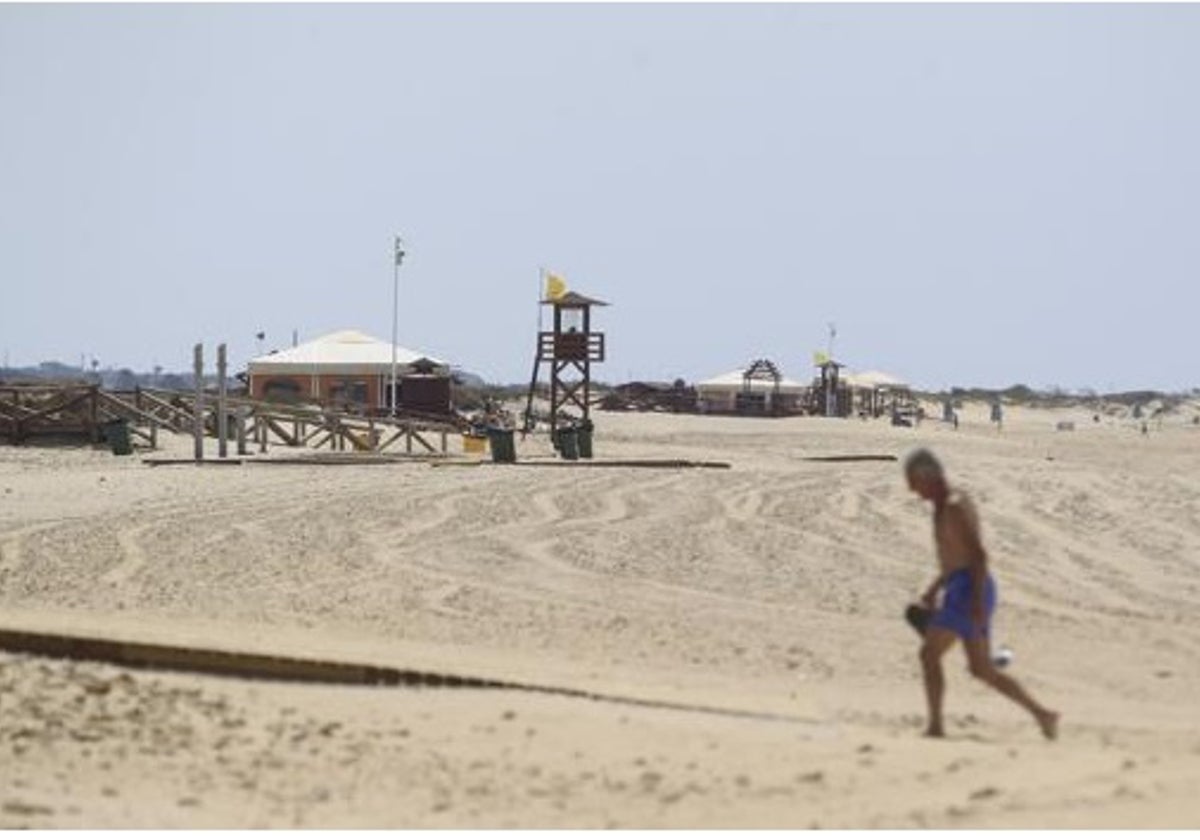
(974, 194)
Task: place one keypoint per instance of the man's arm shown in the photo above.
(929, 599)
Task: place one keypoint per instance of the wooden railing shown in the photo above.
(577, 347)
(28, 412)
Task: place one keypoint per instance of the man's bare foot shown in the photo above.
(1048, 721)
(935, 732)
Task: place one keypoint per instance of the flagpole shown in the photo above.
(527, 424)
(829, 379)
(541, 286)
(398, 257)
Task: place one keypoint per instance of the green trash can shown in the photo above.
(584, 435)
(568, 443)
(504, 451)
(116, 432)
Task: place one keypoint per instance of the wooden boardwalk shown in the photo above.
(270, 666)
(29, 413)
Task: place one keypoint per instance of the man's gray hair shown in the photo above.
(923, 462)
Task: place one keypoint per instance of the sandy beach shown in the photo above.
(744, 624)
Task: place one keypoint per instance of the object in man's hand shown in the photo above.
(918, 617)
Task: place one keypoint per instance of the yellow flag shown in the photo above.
(820, 357)
(556, 287)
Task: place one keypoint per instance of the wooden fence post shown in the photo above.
(241, 430)
(222, 406)
(198, 407)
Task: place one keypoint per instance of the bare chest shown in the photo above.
(953, 546)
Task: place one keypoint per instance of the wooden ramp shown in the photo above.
(848, 459)
(81, 412)
(114, 649)
(643, 463)
(30, 413)
(223, 662)
(317, 459)
(261, 424)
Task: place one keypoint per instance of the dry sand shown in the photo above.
(773, 588)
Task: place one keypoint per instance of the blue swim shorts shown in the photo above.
(955, 611)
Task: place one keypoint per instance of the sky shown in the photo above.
(973, 195)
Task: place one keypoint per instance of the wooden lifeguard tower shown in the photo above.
(830, 398)
(570, 349)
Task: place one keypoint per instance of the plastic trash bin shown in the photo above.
(475, 444)
(568, 443)
(116, 432)
(504, 451)
(583, 434)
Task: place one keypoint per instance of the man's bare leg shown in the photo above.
(937, 641)
(980, 661)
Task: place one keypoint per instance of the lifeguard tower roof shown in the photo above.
(574, 300)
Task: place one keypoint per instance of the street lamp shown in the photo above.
(829, 393)
(399, 253)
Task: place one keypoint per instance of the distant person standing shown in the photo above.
(968, 601)
(998, 414)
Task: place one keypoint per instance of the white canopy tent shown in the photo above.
(720, 392)
(878, 392)
(873, 379)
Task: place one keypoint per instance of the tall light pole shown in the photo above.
(829, 412)
(399, 253)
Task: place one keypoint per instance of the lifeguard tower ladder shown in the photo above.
(570, 349)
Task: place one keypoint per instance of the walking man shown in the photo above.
(969, 598)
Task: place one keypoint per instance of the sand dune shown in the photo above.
(774, 587)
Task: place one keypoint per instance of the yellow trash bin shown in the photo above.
(475, 444)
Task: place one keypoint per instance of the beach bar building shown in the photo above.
(755, 390)
(350, 368)
(878, 393)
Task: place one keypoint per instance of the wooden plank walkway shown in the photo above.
(29, 412)
(649, 463)
(228, 663)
